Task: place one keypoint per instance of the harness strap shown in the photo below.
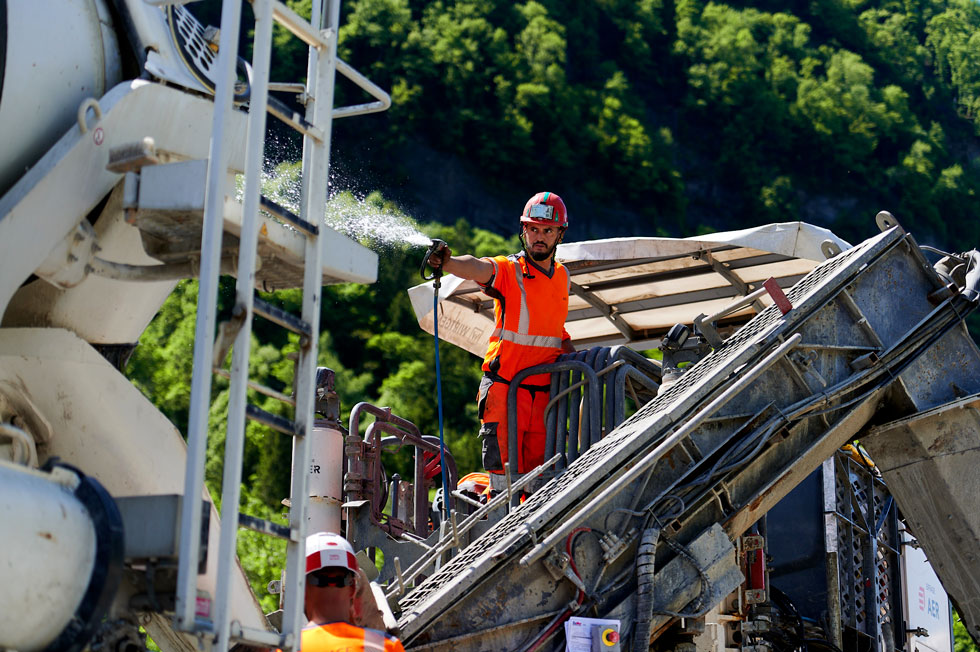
(497, 378)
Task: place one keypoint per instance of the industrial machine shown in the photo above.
(713, 500)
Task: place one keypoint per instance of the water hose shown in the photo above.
(436, 279)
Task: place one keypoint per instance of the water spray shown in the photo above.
(436, 278)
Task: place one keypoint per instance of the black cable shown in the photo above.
(822, 643)
(699, 604)
(782, 601)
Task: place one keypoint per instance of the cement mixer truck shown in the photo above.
(712, 499)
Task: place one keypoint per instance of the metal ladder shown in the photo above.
(219, 631)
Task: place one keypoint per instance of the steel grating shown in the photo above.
(867, 532)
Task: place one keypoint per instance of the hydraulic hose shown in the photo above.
(971, 289)
(555, 624)
(646, 556)
(152, 273)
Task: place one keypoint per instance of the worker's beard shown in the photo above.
(541, 256)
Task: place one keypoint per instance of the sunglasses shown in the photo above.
(323, 579)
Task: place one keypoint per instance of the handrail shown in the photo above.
(299, 26)
(320, 33)
(591, 407)
(448, 541)
(738, 303)
(305, 32)
(383, 99)
(197, 423)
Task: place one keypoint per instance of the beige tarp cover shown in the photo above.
(631, 290)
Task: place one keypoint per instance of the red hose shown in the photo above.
(579, 598)
(555, 624)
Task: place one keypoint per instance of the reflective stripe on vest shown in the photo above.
(374, 641)
(522, 337)
(526, 340)
(524, 318)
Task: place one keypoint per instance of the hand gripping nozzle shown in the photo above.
(436, 247)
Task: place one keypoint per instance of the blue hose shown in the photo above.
(442, 440)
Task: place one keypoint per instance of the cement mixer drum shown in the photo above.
(53, 55)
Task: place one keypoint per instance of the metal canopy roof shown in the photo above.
(632, 290)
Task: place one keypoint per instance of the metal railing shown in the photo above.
(589, 393)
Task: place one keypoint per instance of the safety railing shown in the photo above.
(588, 400)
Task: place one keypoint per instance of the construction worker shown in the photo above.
(331, 572)
(530, 293)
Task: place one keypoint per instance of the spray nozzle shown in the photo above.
(436, 246)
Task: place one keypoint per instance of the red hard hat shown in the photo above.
(545, 208)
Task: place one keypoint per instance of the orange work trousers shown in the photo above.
(530, 426)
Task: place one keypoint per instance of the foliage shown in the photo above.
(161, 366)
(961, 638)
(262, 556)
(682, 114)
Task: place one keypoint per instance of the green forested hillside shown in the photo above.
(661, 115)
(664, 116)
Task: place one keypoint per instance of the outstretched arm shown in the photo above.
(466, 266)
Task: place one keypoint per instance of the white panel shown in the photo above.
(926, 602)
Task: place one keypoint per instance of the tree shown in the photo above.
(953, 40)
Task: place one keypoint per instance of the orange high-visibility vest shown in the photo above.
(530, 310)
(342, 637)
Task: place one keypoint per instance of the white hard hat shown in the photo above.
(327, 549)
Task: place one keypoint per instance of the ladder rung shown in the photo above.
(288, 216)
(281, 317)
(294, 119)
(266, 527)
(203, 625)
(261, 389)
(287, 87)
(251, 635)
(274, 421)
